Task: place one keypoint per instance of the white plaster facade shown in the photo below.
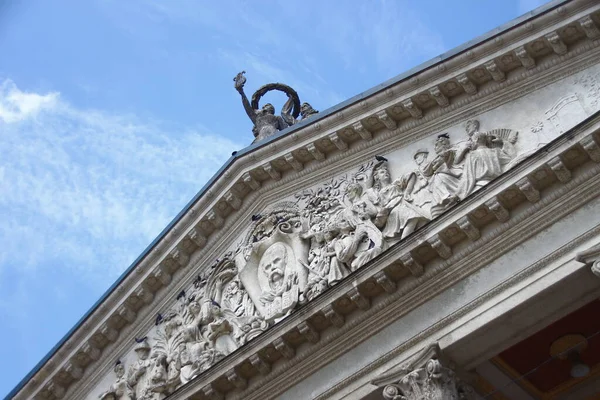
(483, 273)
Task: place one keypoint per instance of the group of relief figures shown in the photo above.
(350, 227)
(195, 334)
(298, 250)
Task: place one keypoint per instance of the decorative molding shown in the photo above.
(338, 141)
(412, 265)
(556, 43)
(412, 108)
(387, 120)
(497, 74)
(526, 187)
(589, 27)
(291, 160)
(363, 132)
(316, 153)
(439, 97)
(467, 226)
(526, 60)
(563, 174)
(467, 84)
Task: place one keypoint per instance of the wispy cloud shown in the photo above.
(73, 178)
(302, 44)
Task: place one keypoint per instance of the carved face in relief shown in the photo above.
(143, 353)
(420, 157)
(273, 265)
(472, 127)
(119, 370)
(354, 191)
(441, 144)
(269, 109)
(381, 175)
(194, 308)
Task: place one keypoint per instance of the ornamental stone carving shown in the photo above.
(432, 382)
(295, 250)
(120, 390)
(427, 377)
(591, 257)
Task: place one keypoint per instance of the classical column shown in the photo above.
(428, 377)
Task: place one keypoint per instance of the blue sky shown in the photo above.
(113, 114)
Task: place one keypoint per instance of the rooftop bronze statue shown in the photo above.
(266, 123)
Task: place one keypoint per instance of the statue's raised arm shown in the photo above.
(239, 82)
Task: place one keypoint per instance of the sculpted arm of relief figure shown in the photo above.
(410, 179)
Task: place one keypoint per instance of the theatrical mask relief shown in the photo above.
(295, 250)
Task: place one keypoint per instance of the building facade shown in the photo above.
(437, 237)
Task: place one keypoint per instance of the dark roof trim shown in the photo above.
(413, 71)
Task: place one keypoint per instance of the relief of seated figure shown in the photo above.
(486, 157)
(401, 216)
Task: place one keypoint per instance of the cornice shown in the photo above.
(304, 152)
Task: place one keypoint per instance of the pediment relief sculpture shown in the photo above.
(297, 249)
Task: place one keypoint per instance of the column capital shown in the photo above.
(428, 376)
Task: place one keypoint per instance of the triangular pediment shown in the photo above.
(276, 247)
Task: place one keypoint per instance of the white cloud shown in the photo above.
(16, 105)
(88, 190)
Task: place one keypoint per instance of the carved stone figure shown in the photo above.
(236, 299)
(325, 268)
(196, 355)
(398, 216)
(417, 190)
(156, 386)
(486, 156)
(444, 174)
(272, 269)
(360, 240)
(337, 270)
(120, 390)
(138, 376)
(219, 329)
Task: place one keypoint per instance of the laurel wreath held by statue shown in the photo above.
(282, 88)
